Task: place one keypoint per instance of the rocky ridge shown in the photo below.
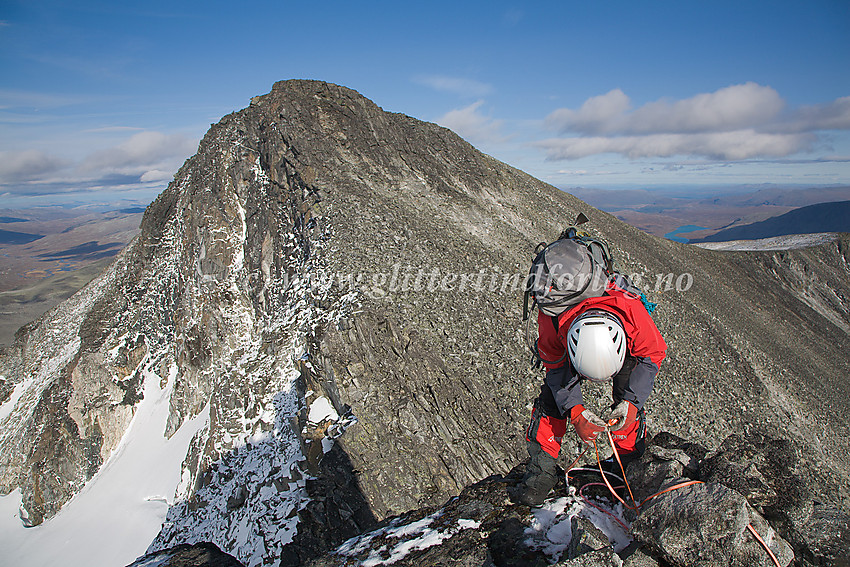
(320, 252)
(735, 505)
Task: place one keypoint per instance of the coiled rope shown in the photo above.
(634, 505)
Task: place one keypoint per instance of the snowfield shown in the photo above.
(113, 519)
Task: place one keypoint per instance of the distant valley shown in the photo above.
(48, 253)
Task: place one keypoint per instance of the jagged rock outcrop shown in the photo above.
(185, 555)
(701, 524)
(482, 528)
(320, 253)
(711, 523)
(768, 472)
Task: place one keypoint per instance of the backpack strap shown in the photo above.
(599, 251)
(525, 309)
(540, 359)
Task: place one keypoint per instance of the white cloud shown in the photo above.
(139, 152)
(471, 125)
(156, 175)
(733, 123)
(598, 114)
(27, 165)
(144, 158)
(734, 145)
(455, 85)
(832, 116)
(730, 108)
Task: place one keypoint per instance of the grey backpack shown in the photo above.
(563, 274)
(566, 272)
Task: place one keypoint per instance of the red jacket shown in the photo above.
(645, 345)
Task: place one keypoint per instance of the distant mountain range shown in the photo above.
(784, 197)
(662, 211)
(823, 217)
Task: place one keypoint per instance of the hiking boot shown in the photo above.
(541, 476)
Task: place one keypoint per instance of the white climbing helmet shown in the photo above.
(596, 342)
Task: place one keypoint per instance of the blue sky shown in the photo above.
(103, 101)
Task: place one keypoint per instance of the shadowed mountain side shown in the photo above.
(823, 217)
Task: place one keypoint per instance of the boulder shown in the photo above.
(772, 475)
(706, 525)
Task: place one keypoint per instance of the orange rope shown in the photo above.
(611, 488)
(674, 487)
(761, 541)
(619, 462)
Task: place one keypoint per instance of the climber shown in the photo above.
(608, 336)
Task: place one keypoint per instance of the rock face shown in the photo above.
(769, 473)
(706, 525)
(339, 287)
(185, 555)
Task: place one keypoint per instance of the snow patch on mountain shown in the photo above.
(399, 540)
(112, 520)
(551, 525)
(247, 501)
(9, 405)
(23, 399)
(244, 478)
(549, 530)
(320, 410)
(215, 442)
(789, 242)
